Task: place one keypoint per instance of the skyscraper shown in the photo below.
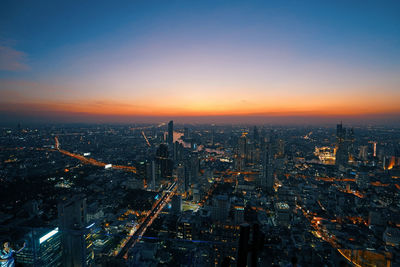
(43, 250)
(267, 174)
(176, 204)
(170, 138)
(164, 164)
(76, 244)
(256, 135)
(345, 145)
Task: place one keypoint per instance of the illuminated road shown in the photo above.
(141, 229)
(145, 138)
(358, 258)
(90, 160)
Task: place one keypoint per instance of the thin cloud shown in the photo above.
(12, 60)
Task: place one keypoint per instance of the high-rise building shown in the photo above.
(185, 227)
(180, 173)
(220, 208)
(178, 152)
(176, 204)
(283, 213)
(344, 145)
(76, 243)
(267, 174)
(43, 250)
(194, 166)
(238, 215)
(170, 138)
(164, 164)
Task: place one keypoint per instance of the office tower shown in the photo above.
(176, 204)
(42, 249)
(178, 152)
(151, 174)
(220, 208)
(238, 215)
(340, 132)
(164, 164)
(180, 173)
(243, 245)
(194, 167)
(267, 174)
(342, 154)
(243, 149)
(283, 213)
(184, 228)
(75, 237)
(141, 171)
(243, 152)
(170, 139)
(187, 175)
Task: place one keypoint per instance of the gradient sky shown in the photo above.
(125, 60)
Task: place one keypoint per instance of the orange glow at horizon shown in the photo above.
(152, 108)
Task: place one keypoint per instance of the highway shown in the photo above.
(155, 211)
(90, 160)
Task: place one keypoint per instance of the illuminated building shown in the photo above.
(226, 236)
(282, 213)
(44, 250)
(76, 240)
(184, 228)
(325, 154)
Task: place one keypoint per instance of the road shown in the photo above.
(90, 160)
(141, 229)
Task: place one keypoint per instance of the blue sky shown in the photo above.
(191, 54)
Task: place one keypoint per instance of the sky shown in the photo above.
(216, 61)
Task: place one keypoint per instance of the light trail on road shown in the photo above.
(153, 214)
(90, 160)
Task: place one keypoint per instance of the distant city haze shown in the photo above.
(200, 61)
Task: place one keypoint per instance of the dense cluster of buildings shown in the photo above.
(201, 195)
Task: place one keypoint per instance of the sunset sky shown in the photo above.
(128, 61)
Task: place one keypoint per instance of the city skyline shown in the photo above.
(214, 62)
